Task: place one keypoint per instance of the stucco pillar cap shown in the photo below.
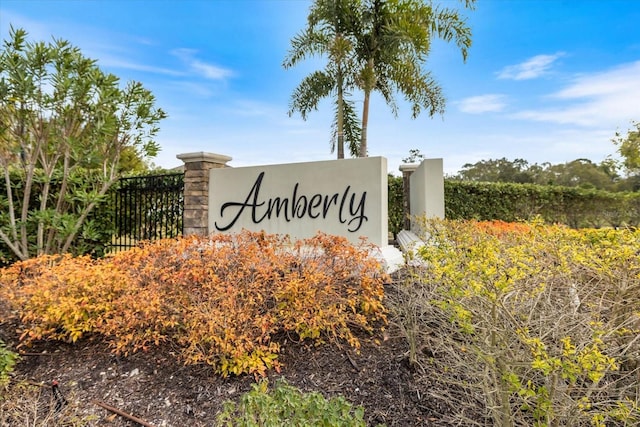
(408, 167)
(202, 156)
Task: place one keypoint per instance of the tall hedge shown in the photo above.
(395, 209)
(575, 207)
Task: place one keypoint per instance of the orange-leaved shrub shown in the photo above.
(220, 299)
(500, 228)
(60, 296)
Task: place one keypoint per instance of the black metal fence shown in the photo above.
(148, 208)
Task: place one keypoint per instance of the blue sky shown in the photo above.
(545, 80)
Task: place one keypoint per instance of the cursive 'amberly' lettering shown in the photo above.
(348, 206)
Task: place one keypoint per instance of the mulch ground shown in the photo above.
(160, 391)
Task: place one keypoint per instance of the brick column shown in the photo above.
(196, 189)
(407, 170)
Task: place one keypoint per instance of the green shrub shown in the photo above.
(286, 405)
(8, 360)
(95, 234)
(487, 201)
(395, 204)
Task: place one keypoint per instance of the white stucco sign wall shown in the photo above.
(339, 197)
(427, 189)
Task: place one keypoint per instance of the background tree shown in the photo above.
(415, 156)
(581, 173)
(132, 163)
(500, 170)
(394, 40)
(64, 126)
(328, 34)
(629, 149)
(577, 173)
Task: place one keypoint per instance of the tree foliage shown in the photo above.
(415, 156)
(374, 46)
(629, 149)
(62, 117)
(394, 41)
(328, 34)
(581, 173)
(498, 170)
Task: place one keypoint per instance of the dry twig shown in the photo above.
(122, 413)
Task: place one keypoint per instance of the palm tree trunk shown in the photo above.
(362, 152)
(340, 117)
(368, 84)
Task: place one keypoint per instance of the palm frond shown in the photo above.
(351, 129)
(309, 92)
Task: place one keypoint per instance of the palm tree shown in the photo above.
(393, 42)
(328, 33)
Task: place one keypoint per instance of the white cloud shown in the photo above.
(609, 98)
(108, 47)
(490, 103)
(531, 68)
(618, 80)
(107, 60)
(208, 71)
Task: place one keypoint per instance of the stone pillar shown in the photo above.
(407, 170)
(196, 189)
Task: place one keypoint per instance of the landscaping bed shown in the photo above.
(157, 388)
(498, 324)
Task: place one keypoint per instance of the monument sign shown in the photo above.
(340, 197)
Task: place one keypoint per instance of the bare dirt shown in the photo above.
(157, 389)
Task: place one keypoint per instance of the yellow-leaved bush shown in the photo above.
(531, 324)
(220, 299)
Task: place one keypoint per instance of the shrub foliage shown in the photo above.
(220, 299)
(488, 201)
(93, 237)
(526, 323)
(287, 405)
(8, 361)
(575, 207)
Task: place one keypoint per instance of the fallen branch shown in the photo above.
(353, 362)
(122, 413)
(35, 354)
